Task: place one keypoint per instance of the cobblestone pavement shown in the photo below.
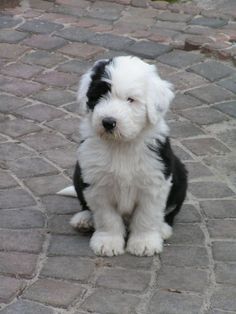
(45, 266)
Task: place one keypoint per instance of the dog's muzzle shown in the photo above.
(109, 124)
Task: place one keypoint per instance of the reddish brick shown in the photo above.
(21, 70)
(57, 78)
(81, 50)
(11, 51)
(45, 42)
(20, 87)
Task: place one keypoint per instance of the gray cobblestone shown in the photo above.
(224, 298)
(224, 251)
(11, 36)
(18, 264)
(180, 59)
(229, 83)
(205, 146)
(182, 101)
(184, 129)
(148, 49)
(212, 70)
(55, 97)
(61, 157)
(6, 180)
(21, 219)
(17, 127)
(14, 198)
(130, 280)
(228, 107)
(222, 228)
(9, 103)
(182, 279)
(39, 112)
(108, 301)
(210, 22)
(43, 58)
(185, 256)
(75, 34)
(79, 269)
(31, 166)
(8, 21)
(13, 151)
(26, 307)
(60, 205)
(53, 292)
(126, 261)
(214, 190)
(40, 26)
(188, 234)
(44, 140)
(211, 94)
(43, 185)
(60, 224)
(45, 42)
(219, 209)
(204, 116)
(21, 241)
(188, 213)
(225, 273)
(9, 288)
(70, 245)
(174, 303)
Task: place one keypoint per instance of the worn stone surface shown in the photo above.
(9, 288)
(27, 307)
(173, 303)
(47, 267)
(108, 301)
(130, 280)
(52, 292)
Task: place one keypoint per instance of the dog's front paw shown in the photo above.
(107, 244)
(166, 231)
(82, 221)
(145, 244)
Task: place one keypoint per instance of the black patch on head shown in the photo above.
(98, 88)
(172, 166)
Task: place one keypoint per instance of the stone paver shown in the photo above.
(46, 267)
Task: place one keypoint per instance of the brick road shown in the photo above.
(45, 266)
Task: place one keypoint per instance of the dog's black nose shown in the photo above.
(109, 123)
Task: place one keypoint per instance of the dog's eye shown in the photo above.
(130, 99)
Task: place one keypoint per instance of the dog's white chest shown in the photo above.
(120, 174)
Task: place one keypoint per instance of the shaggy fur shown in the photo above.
(127, 178)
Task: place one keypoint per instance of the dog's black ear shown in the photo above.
(84, 85)
(159, 96)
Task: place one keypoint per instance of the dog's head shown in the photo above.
(123, 96)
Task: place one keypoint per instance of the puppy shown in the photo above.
(129, 182)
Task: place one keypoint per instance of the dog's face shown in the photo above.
(123, 96)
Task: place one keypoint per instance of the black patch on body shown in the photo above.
(80, 185)
(98, 88)
(173, 166)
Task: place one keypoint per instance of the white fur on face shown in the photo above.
(130, 79)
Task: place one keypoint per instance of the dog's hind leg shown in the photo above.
(82, 221)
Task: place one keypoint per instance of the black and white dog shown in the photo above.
(128, 181)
